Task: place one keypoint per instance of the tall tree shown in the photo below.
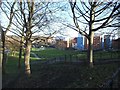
(35, 15)
(0, 60)
(0, 41)
(9, 16)
(28, 26)
(94, 15)
(30, 17)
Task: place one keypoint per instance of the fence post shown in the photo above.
(101, 55)
(59, 58)
(118, 54)
(76, 58)
(118, 78)
(55, 58)
(70, 57)
(65, 57)
(111, 55)
(111, 84)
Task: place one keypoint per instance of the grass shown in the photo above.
(12, 68)
(49, 53)
(52, 52)
(61, 74)
(106, 55)
(68, 75)
(12, 61)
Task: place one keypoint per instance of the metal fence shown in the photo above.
(114, 81)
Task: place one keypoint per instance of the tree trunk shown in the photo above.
(20, 53)
(3, 53)
(1, 46)
(20, 56)
(91, 33)
(90, 49)
(27, 58)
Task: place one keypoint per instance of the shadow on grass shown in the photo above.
(67, 75)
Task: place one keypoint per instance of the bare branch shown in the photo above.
(83, 32)
(107, 20)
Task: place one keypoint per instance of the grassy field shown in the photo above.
(49, 53)
(52, 52)
(107, 55)
(64, 75)
(68, 75)
(12, 70)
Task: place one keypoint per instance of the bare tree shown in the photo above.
(29, 18)
(9, 16)
(0, 46)
(36, 16)
(94, 15)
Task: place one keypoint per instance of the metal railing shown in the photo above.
(115, 79)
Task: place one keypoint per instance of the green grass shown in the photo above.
(106, 55)
(49, 53)
(12, 62)
(68, 75)
(74, 76)
(12, 67)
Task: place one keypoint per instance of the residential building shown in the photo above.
(97, 42)
(74, 43)
(116, 44)
(60, 44)
(107, 42)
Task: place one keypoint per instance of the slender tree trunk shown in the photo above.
(0, 46)
(3, 53)
(0, 59)
(90, 49)
(91, 34)
(20, 52)
(20, 56)
(27, 57)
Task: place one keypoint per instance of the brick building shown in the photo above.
(116, 44)
(97, 42)
(60, 44)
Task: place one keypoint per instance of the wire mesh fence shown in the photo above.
(114, 81)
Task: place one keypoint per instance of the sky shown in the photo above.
(69, 32)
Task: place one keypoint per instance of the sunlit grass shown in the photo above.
(49, 53)
(52, 53)
(98, 74)
(12, 63)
